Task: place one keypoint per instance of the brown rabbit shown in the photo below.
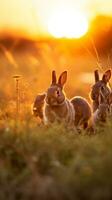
(103, 110)
(82, 111)
(57, 106)
(109, 100)
(38, 106)
(100, 84)
(81, 106)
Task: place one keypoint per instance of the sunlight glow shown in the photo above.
(67, 24)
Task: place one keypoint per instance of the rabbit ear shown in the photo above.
(54, 77)
(106, 76)
(62, 79)
(96, 74)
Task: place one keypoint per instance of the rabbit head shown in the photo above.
(100, 85)
(38, 105)
(55, 95)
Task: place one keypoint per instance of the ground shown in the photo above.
(50, 163)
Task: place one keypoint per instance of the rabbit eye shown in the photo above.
(58, 92)
(102, 88)
(108, 109)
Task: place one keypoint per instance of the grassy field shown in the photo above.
(41, 163)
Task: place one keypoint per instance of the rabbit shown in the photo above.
(103, 83)
(38, 106)
(109, 100)
(57, 107)
(83, 111)
(110, 103)
(81, 106)
(103, 110)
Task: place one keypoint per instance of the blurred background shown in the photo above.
(37, 36)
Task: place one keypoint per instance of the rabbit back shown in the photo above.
(82, 110)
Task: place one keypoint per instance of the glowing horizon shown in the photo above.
(65, 23)
(32, 16)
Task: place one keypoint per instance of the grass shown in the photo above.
(42, 163)
(50, 163)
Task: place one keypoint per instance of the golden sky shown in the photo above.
(32, 15)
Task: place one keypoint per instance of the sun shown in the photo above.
(67, 24)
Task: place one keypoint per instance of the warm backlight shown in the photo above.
(67, 24)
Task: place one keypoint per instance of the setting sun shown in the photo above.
(68, 24)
